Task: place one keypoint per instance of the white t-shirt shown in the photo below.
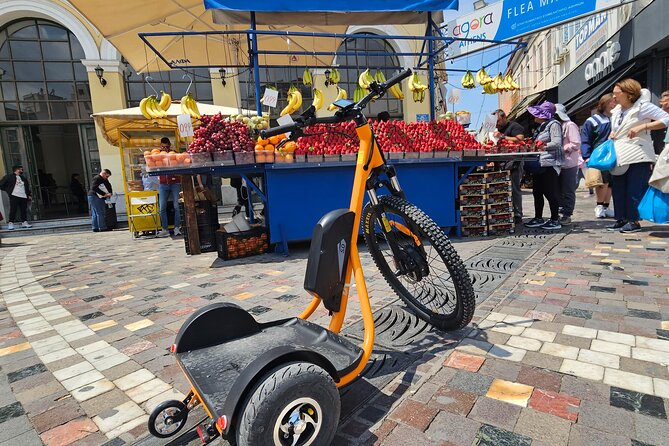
(19, 188)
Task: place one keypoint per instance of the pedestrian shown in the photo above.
(595, 131)
(571, 144)
(631, 122)
(100, 189)
(77, 189)
(18, 188)
(512, 131)
(170, 186)
(545, 176)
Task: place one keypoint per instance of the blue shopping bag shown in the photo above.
(603, 157)
(654, 206)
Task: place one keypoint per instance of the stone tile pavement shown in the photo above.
(573, 349)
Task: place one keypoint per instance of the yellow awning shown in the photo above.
(131, 118)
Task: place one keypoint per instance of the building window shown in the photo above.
(362, 54)
(172, 82)
(41, 75)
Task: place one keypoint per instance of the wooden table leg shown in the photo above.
(189, 210)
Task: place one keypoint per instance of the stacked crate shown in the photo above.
(485, 204)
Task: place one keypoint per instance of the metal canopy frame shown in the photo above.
(426, 56)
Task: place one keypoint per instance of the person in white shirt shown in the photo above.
(18, 189)
(631, 123)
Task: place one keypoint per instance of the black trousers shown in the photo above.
(546, 183)
(18, 205)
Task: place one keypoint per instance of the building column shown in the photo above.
(106, 98)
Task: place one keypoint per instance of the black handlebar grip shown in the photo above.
(264, 134)
(398, 78)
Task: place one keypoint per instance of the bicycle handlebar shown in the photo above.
(341, 115)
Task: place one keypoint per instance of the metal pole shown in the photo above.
(430, 50)
(256, 68)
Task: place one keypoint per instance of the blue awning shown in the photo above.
(371, 6)
(321, 13)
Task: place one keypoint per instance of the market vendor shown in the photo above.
(170, 186)
(512, 131)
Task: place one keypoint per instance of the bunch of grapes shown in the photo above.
(219, 135)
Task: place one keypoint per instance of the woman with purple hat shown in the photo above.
(546, 177)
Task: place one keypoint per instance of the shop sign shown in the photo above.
(185, 125)
(590, 36)
(508, 19)
(603, 62)
(422, 117)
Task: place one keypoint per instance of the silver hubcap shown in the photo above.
(298, 423)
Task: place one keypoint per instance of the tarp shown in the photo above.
(111, 121)
(313, 12)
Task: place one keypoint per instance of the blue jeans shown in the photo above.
(97, 206)
(164, 192)
(628, 190)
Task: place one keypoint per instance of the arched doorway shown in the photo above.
(45, 107)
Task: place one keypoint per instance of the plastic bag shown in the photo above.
(603, 157)
(654, 206)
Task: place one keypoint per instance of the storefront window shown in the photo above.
(44, 57)
(172, 82)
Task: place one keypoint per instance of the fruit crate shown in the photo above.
(499, 208)
(500, 218)
(498, 198)
(349, 157)
(473, 200)
(226, 158)
(473, 179)
(475, 231)
(264, 156)
(426, 155)
(470, 211)
(244, 158)
(283, 158)
(314, 158)
(473, 220)
(411, 155)
(472, 189)
(300, 158)
(200, 159)
(237, 245)
(207, 235)
(501, 228)
(498, 188)
(331, 158)
(498, 175)
(396, 155)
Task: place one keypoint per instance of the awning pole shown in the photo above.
(254, 58)
(430, 55)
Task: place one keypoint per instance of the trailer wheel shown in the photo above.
(296, 404)
(168, 418)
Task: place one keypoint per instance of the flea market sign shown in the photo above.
(508, 19)
(603, 62)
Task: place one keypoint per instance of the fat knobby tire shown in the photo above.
(465, 297)
(278, 388)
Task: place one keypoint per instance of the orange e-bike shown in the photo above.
(277, 383)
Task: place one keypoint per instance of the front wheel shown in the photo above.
(297, 404)
(425, 271)
(168, 418)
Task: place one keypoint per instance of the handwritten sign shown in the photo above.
(270, 97)
(284, 120)
(489, 125)
(185, 125)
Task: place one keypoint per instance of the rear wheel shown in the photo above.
(295, 405)
(427, 274)
(168, 418)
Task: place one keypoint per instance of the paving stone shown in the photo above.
(509, 392)
(606, 418)
(586, 436)
(543, 361)
(453, 400)
(67, 411)
(73, 370)
(117, 416)
(414, 414)
(548, 429)
(10, 411)
(638, 402)
(582, 369)
(498, 368)
(81, 380)
(14, 427)
(147, 390)
(651, 430)
(599, 358)
(402, 434)
(616, 338)
(447, 427)
(474, 346)
(542, 379)
(559, 350)
(494, 436)
(92, 390)
(629, 381)
(69, 432)
(471, 382)
(29, 438)
(610, 347)
(524, 343)
(561, 405)
(26, 372)
(652, 344)
(507, 352)
(496, 413)
(464, 361)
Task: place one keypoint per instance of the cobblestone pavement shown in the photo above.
(573, 348)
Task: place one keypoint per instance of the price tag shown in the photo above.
(454, 96)
(489, 125)
(285, 119)
(185, 125)
(270, 97)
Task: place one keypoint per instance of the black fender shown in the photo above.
(260, 367)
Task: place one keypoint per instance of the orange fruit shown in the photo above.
(290, 146)
(269, 147)
(155, 151)
(147, 152)
(274, 140)
(289, 157)
(262, 141)
(187, 160)
(258, 147)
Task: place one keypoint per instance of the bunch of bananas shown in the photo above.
(341, 94)
(483, 78)
(318, 99)
(307, 80)
(467, 80)
(365, 79)
(499, 84)
(358, 94)
(189, 106)
(152, 109)
(294, 101)
(335, 77)
(417, 87)
(394, 90)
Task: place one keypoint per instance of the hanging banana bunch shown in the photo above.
(151, 109)
(482, 77)
(294, 101)
(417, 87)
(365, 79)
(467, 80)
(394, 90)
(358, 94)
(341, 94)
(318, 99)
(335, 77)
(165, 100)
(189, 106)
(307, 80)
